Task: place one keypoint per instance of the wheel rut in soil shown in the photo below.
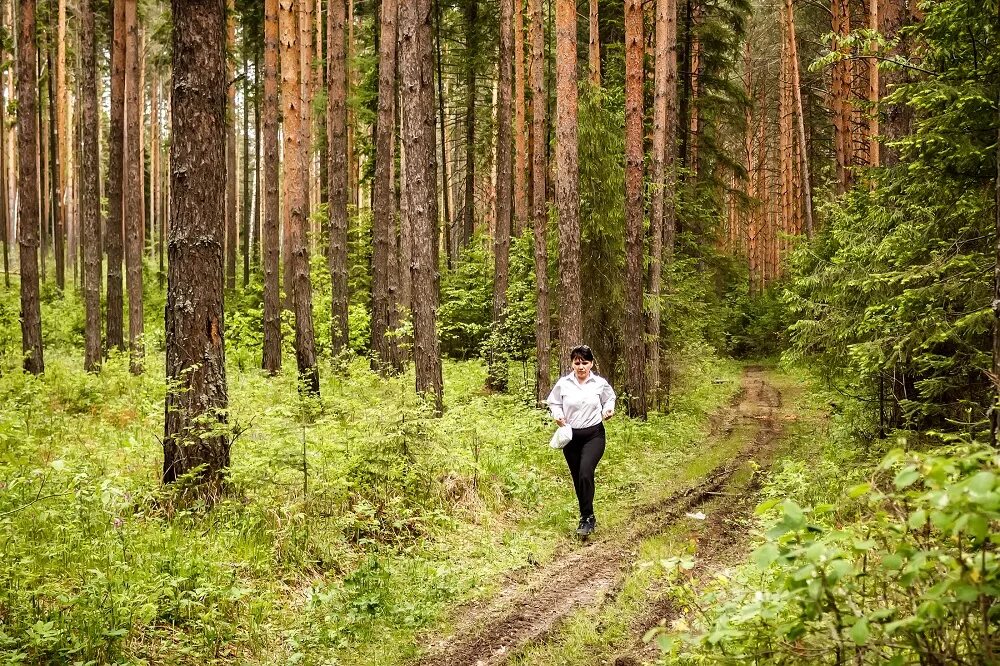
(527, 611)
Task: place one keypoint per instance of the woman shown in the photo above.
(583, 401)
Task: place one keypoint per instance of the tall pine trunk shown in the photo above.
(594, 52)
(61, 172)
(520, 133)
(385, 359)
(27, 190)
(497, 359)
(231, 175)
(90, 207)
(417, 76)
(471, 33)
(800, 125)
(196, 403)
(635, 349)
(296, 198)
(247, 208)
(133, 189)
(567, 183)
(841, 24)
(271, 361)
(540, 212)
(336, 127)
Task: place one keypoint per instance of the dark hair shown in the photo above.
(582, 351)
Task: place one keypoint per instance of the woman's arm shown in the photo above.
(554, 401)
(608, 399)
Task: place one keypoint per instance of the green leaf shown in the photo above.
(766, 555)
(860, 632)
(917, 519)
(906, 477)
(982, 483)
(857, 491)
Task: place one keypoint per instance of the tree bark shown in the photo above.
(635, 356)
(197, 398)
(296, 199)
(27, 190)
(841, 24)
(446, 218)
(665, 90)
(132, 204)
(114, 241)
(247, 208)
(385, 359)
(4, 192)
(520, 133)
(567, 183)
(60, 147)
(800, 120)
(90, 207)
(594, 53)
(471, 32)
(231, 175)
(255, 256)
(336, 124)
(271, 361)
(497, 358)
(540, 213)
(417, 76)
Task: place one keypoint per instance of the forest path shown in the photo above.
(527, 611)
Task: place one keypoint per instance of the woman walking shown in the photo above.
(583, 401)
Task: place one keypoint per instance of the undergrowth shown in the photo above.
(348, 527)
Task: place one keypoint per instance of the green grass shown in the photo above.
(404, 515)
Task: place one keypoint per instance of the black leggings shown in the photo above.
(583, 453)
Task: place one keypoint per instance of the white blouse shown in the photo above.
(582, 405)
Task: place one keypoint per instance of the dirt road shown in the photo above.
(528, 611)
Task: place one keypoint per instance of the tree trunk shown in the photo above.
(4, 198)
(446, 219)
(841, 23)
(247, 208)
(385, 359)
(471, 33)
(594, 54)
(567, 179)
(133, 189)
(694, 105)
(416, 73)
(255, 258)
(271, 361)
(296, 201)
(497, 358)
(520, 133)
(336, 124)
(27, 190)
(665, 89)
(800, 120)
(873, 85)
(305, 17)
(194, 440)
(635, 356)
(163, 196)
(154, 166)
(60, 148)
(90, 207)
(231, 175)
(540, 212)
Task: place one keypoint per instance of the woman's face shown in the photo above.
(582, 367)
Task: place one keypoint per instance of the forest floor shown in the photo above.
(594, 601)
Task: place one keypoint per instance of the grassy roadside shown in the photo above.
(402, 516)
(668, 566)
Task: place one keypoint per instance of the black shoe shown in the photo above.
(587, 526)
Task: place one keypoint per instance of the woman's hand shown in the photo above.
(608, 413)
(560, 422)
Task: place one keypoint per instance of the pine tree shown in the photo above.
(197, 396)
(271, 361)
(635, 357)
(417, 112)
(90, 207)
(27, 190)
(566, 183)
(336, 124)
